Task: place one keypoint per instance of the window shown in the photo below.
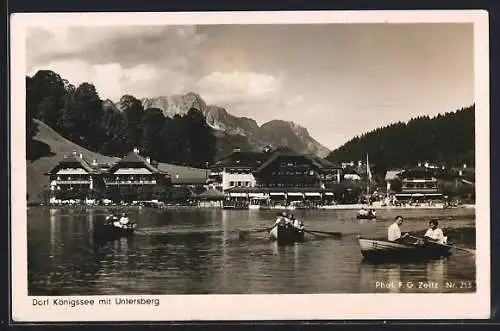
(231, 183)
(239, 183)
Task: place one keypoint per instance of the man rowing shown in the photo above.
(394, 231)
(283, 219)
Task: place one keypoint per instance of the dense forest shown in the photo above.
(445, 139)
(77, 113)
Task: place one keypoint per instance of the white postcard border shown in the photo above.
(253, 307)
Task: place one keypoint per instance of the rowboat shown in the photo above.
(366, 217)
(110, 231)
(375, 249)
(286, 234)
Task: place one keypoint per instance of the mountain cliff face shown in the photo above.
(242, 132)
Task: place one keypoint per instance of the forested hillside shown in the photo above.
(447, 139)
(79, 115)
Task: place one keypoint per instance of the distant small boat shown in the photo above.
(109, 230)
(286, 234)
(253, 206)
(366, 215)
(375, 249)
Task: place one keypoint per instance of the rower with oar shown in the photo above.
(435, 235)
(283, 219)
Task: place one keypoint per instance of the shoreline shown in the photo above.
(328, 207)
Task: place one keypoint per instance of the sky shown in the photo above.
(336, 80)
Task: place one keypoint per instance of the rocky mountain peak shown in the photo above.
(275, 132)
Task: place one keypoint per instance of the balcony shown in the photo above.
(419, 190)
(130, 182)
(72, 182)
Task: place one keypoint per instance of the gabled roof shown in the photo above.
(284, 151)
(417, 171)
(243, 159)
(134, 158)
(74, 159)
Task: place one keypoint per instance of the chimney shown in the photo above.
(465, 165)
(148, 160)
(426, 164)
(81, 156)
(74, 153)
(136, 150)
(420, 164)
(94, 162)
(359, 163)
(460, 173)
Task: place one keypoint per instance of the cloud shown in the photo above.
(236, 86)
(244, 92)
(139, 60)
(129, 45)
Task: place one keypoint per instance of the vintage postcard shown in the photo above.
(250, 166)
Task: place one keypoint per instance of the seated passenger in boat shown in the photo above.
(124, 221)
(373, 213)
(394, 231)
(110, 219)
(281, 219)
(434, 233)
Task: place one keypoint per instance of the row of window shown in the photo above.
(293, 173)
(68, 178)
(239, 183)
(420, 185)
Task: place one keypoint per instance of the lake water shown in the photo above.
(196, 251)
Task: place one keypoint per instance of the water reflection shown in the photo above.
(199, 251)
(404, 277)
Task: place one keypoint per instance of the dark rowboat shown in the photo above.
(109, 231)
(286, 234)
(366, 216)
(382, 250)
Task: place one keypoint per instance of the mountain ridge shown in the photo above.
(275, 133)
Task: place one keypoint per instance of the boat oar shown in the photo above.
(468, 250)
(242, 233)
(337, 234)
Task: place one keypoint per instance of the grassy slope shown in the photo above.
(60, 147)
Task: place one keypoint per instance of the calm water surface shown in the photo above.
(200, 252)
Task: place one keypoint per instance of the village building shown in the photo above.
(418, 184)
(135, 178)
(236, 169)
(285, 168)
(74, 178)
(276, 176)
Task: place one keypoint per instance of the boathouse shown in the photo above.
(135, 178)
(74, 178)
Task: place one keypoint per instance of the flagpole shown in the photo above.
(368, 172)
